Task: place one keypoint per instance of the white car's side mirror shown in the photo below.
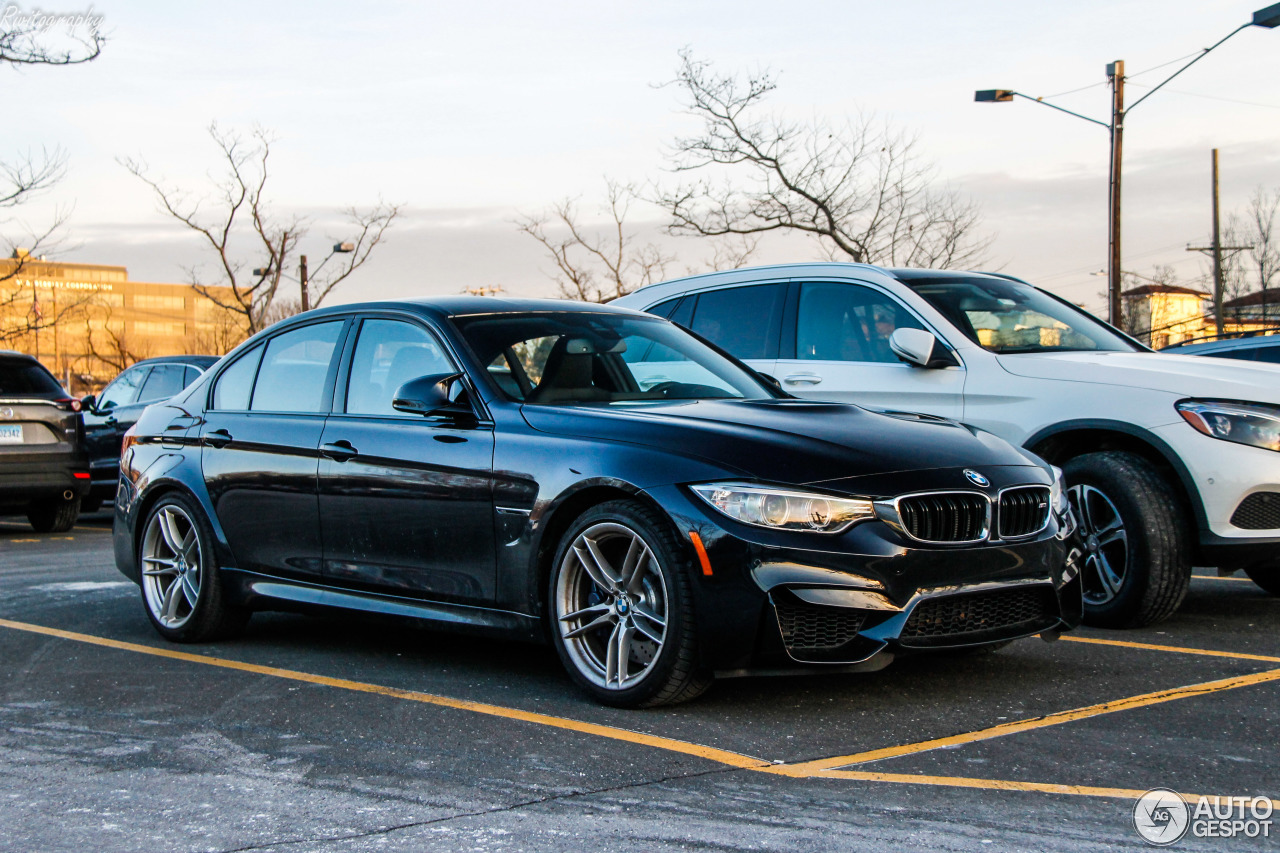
(921, 348)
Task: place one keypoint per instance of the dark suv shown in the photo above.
(111, 413)
(44, 469)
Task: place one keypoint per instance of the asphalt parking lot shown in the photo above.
(352, 734)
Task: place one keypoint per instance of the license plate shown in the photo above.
(11, 434)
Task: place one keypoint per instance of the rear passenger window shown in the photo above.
(744, 321)
(294, 368)
(235, 384)
(163, 382)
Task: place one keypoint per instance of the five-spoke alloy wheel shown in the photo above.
(620, 608)
(181, 588)
(171, 566)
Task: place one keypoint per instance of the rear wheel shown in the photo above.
(53, 515)
(181, 588)
(1137, 566)
(620, 601)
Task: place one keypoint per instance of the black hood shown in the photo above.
(842, 447)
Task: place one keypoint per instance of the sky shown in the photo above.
(471, 114)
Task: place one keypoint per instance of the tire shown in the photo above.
(1265, 575)
(650, 616)
(53, 515)
(1138, 566)
(182, 590)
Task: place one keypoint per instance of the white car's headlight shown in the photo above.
(1243, 423)
(785, 509)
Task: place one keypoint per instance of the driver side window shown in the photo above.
(848, 322)
(388, 354)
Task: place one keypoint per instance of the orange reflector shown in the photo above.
(702, 553)
(80, 475)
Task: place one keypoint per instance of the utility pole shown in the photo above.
(1215, 250)
(1115, 71)
(302, 278)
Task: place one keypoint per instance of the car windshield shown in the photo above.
(1011, 317)
(19, 377)
(573, 357)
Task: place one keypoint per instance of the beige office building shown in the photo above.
(86, 322)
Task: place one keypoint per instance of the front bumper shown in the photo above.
(1223, 475)
(784, 600)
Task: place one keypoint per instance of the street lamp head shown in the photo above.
(262, 272)
(1268, 17)
(994, 95)
(344, 248)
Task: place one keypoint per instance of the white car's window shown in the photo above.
(741, 320)
(848, 322)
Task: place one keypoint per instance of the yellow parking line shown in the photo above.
(1218, 578)
(1047, 720)
(995, 784)
(722, 756)
(822, 769)
(1181, 649)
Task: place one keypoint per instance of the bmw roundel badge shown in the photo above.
(976, 478)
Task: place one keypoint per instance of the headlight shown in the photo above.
(784, 509)
(1058, 492)
(1243, 423)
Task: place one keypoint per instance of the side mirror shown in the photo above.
(772, 381)
(429, 395)
(921, 348)
(89, 403)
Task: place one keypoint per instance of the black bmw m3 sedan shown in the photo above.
(586, 476)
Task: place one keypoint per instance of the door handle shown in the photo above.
(338, 451)
(217, 438)
(802, 379)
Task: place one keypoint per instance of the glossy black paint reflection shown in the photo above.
(454, 519)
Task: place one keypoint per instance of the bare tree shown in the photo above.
(596, 265)
(25, 38)
(254, 248)
(1260, 228)
(24, 41)
(861, 188)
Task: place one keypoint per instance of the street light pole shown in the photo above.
(302, 279)
(1268, 18)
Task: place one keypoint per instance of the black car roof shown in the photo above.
(204, 361)
(461, 306)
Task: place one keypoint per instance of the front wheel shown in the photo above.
(181, 588)
(621, 610)
(1137, 567)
